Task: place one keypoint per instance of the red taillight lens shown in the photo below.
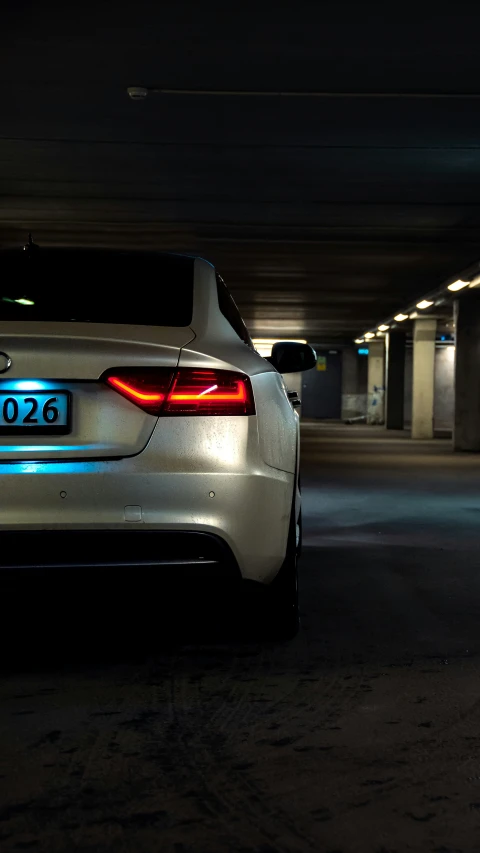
(210, 392)
(192, 392)
(146, 387)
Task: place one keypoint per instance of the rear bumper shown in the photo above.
(247, 513)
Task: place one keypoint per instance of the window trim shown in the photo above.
(242, 331)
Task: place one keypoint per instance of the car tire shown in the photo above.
(283, 618)
(299, 535)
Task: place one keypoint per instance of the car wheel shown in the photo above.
(299, 535)
(283, 614)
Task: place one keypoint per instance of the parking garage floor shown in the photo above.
(363, 734)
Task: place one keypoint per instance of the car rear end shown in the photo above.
(129, 422)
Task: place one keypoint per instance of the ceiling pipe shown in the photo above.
(138, 93)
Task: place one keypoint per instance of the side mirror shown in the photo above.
(290, 357)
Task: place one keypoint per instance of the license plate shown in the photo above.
(35, 412)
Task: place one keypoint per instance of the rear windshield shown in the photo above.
(140, 288)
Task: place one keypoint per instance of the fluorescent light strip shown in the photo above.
(458, 285)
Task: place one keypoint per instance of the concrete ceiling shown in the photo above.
(323, 215)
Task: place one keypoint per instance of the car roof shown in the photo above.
(85, 251)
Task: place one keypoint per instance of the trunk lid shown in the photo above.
(50, 361)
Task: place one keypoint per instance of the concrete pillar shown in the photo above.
(423, 396)
(395, 369)
(376, 382)
(466, 433)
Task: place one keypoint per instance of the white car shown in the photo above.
(139, 426)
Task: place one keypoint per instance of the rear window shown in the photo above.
(139, 288)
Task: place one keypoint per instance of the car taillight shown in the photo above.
(146, 387)
(209, 392)
(187, 391)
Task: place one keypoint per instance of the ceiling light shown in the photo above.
(475, 281)
(137, 93)
(383, 328)
(369, 335)
(413, 315)
(425, 303)
(23, 301)
(401, 317)
(458, 285)
(359, 340)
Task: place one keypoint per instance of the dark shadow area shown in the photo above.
(115, 617)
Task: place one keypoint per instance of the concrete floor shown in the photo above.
(361, 735)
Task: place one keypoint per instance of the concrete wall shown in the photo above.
(354, 384)
(322, 388)
(444, 387)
